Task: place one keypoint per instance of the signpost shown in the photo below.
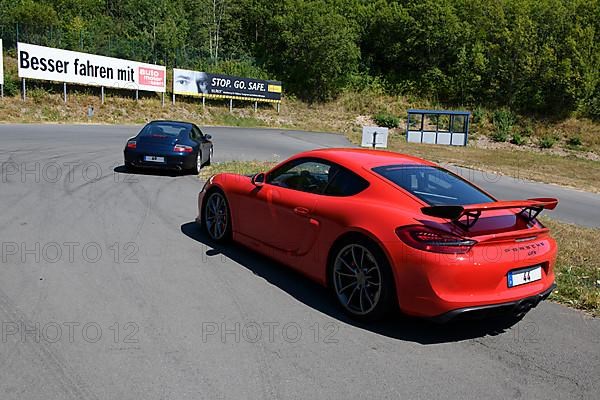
(374, 136)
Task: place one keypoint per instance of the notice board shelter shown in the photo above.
(438, 127)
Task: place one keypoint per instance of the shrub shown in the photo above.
(503, 120)
(527, 131)
(11, 84)
(479, 115)
(546, 142)
(499, 136)
(37, 94)
(574, 141)
(518, 139)
(387, 120)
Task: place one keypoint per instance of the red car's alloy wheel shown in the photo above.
(216, 216)
(357, 279)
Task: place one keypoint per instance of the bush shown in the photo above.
(479, 115)
(574, 141)
(518, 139)
(387, 120)
(503, 120)
(11, 84)
(527, 131)
(499, 136)
(546, 142)
(591, 105)
(37, 94)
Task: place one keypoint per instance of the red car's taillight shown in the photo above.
(179, 148)
(429, 239)
(131, 144)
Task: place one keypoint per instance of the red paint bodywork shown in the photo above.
(427, 284)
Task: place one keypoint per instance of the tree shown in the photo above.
(312, 47)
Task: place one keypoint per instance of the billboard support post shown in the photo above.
(1, 71)
(278, 108)
(203, 102)
(173, 98)
(137, 94)
(23, 90)
(162, 99)
(102, 94)
(65, 91)
(230, 106)
(255, 106)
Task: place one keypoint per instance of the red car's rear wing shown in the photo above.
(529, 209)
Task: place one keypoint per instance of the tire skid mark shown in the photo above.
(56, 370)
(270, 391)
(132, 288)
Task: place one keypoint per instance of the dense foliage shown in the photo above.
(539, 56)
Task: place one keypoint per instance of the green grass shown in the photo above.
(577, 266)
(236, 167)
(227, 119)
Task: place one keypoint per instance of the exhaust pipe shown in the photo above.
(524, 307)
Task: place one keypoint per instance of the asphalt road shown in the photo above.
(109, 291)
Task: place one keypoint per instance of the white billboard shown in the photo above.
(1, 64)
(50, 64)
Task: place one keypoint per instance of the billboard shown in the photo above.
(1, 64)
(50, 64)
(217, 86)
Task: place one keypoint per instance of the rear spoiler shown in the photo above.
(529, 209)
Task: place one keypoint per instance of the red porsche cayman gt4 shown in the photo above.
(382, 229)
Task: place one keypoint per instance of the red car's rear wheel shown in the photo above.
(361, 280)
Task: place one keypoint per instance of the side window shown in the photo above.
(345, 183)
(196, 135)
(305, 175)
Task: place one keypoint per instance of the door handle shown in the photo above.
(301, 211)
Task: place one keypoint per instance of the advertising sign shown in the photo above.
(204, 84)
(50, 64)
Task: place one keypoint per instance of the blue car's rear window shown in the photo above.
(168, 129)
(435, 186)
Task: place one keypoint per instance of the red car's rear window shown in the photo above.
(435, 186)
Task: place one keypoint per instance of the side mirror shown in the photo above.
(207, 137)
(258, 179)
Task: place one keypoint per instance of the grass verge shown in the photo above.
(577, 266)
(578, 263)
(236, 167)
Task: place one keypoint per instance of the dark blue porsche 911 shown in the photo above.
(169, 144)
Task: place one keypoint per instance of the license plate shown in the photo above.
(525, 275)
(154, 159)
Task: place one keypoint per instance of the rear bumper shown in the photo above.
(514, 308)
(431, 284)
(175, 161)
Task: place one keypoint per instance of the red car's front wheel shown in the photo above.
(361, 280)
(216, 217)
